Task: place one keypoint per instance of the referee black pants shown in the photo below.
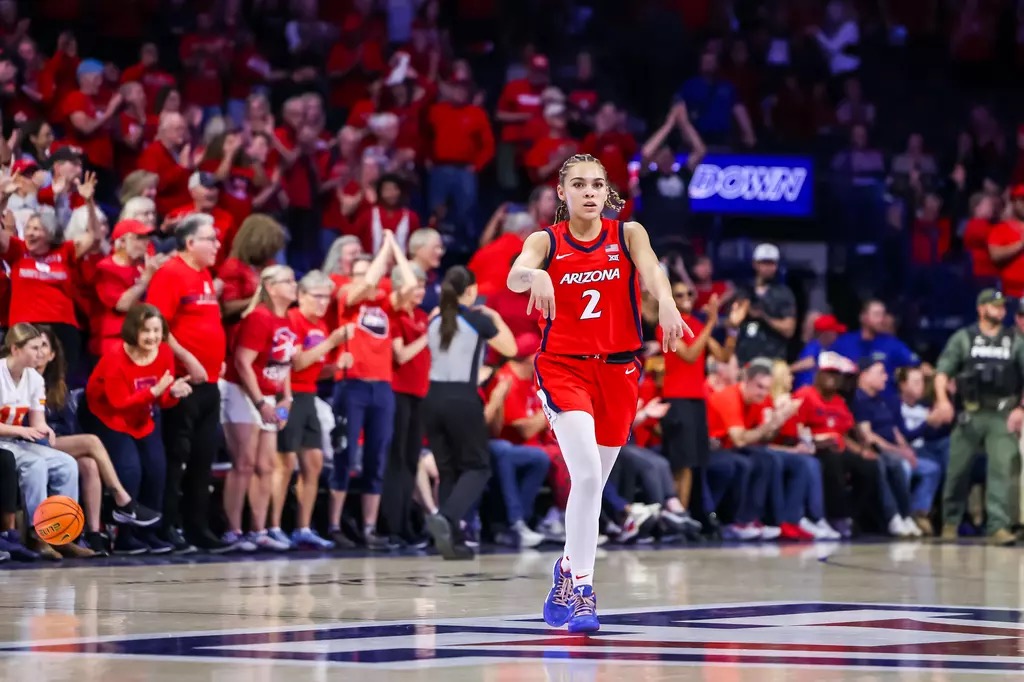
(457, 434)
(403, 460)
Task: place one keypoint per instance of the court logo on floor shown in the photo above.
(791, 634)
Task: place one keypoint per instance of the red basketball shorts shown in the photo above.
(608, 392)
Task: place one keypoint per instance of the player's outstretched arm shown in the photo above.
(656, 281)
(527, 275)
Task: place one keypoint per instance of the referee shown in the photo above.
(454, 410)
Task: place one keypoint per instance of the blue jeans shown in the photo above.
(894, 486)
(140, 463)
(935, 451)
(521, 471)
(369, 408)
(729, 472)
(456, 187)
(42, 471)
(794, 486)
(924, 483)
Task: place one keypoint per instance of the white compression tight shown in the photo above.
(589, 466)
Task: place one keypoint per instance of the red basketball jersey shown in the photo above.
(597, 293)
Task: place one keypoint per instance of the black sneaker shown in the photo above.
(341, 541)
(98, 542)
(174, 537)
(129, 545)
(206, 541)
(156, 544)
(135, 514)
(378, 543)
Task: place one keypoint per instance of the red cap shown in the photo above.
(1017, 191)
(131, 226)
(24, 166)
(526, 345)
(828, 323)
(539, 62)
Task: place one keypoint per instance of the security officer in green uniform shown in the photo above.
(987, 361)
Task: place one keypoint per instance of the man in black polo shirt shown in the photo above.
(771, 321)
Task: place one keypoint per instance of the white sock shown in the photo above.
(586, 464)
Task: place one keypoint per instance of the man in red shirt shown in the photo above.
(183, 291)
(612, 144)
(148, 73)
(170, 157)
(205, 191)
(461, 146)
(976, 233)
(1006, 246)
(548, 153)
(88, 122)
(520, 105)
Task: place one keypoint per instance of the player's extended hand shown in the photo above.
(672, 325)
(542, 295)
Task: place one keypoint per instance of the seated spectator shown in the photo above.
(874, 342)
(10, 498)
(121, 281)
(826, 330)
(722, 375)
(95, 469)
(257, 396)
(51, 300)
(300, 441)
(42, 470)
(741, 417)
(123, 390)
(902, 470)
(975, 238)
(771, 316)
(929, 441)
(931, 233)
(860, 163)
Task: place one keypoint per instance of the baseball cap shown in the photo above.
(526, 345)
(130, 226)
(828, 323)
(991, 296)
(66, 153)
(24, 166)
(89, 66)
(830, 361)
(766, 252)
(869, 361)
(202, 179)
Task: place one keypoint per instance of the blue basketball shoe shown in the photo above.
(584, 610)
(557, 606)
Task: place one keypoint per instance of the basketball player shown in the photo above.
(585, 268)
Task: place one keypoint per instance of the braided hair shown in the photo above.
(613, 202)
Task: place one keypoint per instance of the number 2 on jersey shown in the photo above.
(591, 312)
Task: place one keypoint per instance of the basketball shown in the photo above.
(58, 520)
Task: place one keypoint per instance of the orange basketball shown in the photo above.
(58, 520)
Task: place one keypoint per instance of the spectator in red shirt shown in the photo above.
(121, 281)
(363, 392)
(43, 273)
(520, 105)
(491, 263)
(89, 120)
(255, 247)
(148, 73)
(461, 146)
(612, 144)
(301, 438)
(129, 383)
(170, 158)
(979, 225)
(389, 214)
(205, 191)
(250, 72)
(257, 398)
(684, 428)
(183, 291)
(243, 177)
(548, 153)
(206, 57)
(135, 127)
(410, 382)
(705, 284)
(1006, 246)
(931, 233)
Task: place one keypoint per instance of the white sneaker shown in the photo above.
(896, 527)
(770, 532)
(811, 528)
(828, 531)
(747, 531)
(911, 528)
(637, 515)
(268, 543)
(553, 530)
(602, 540)
(527, 536)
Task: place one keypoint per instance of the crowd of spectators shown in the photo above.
(226, 225)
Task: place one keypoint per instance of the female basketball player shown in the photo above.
(585, 267)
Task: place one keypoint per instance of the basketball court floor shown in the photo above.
(860, 612)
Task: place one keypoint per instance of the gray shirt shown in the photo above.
(460, 363)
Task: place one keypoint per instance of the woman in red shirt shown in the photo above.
(684, 430)
(301, 437)
(123, 392)
(410, 381)
(257, 242)
(256, 397)
(43, 272)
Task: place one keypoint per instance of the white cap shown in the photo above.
(554, 109)
(765, 252)
(834, 362)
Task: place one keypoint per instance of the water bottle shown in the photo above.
(282, 413)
